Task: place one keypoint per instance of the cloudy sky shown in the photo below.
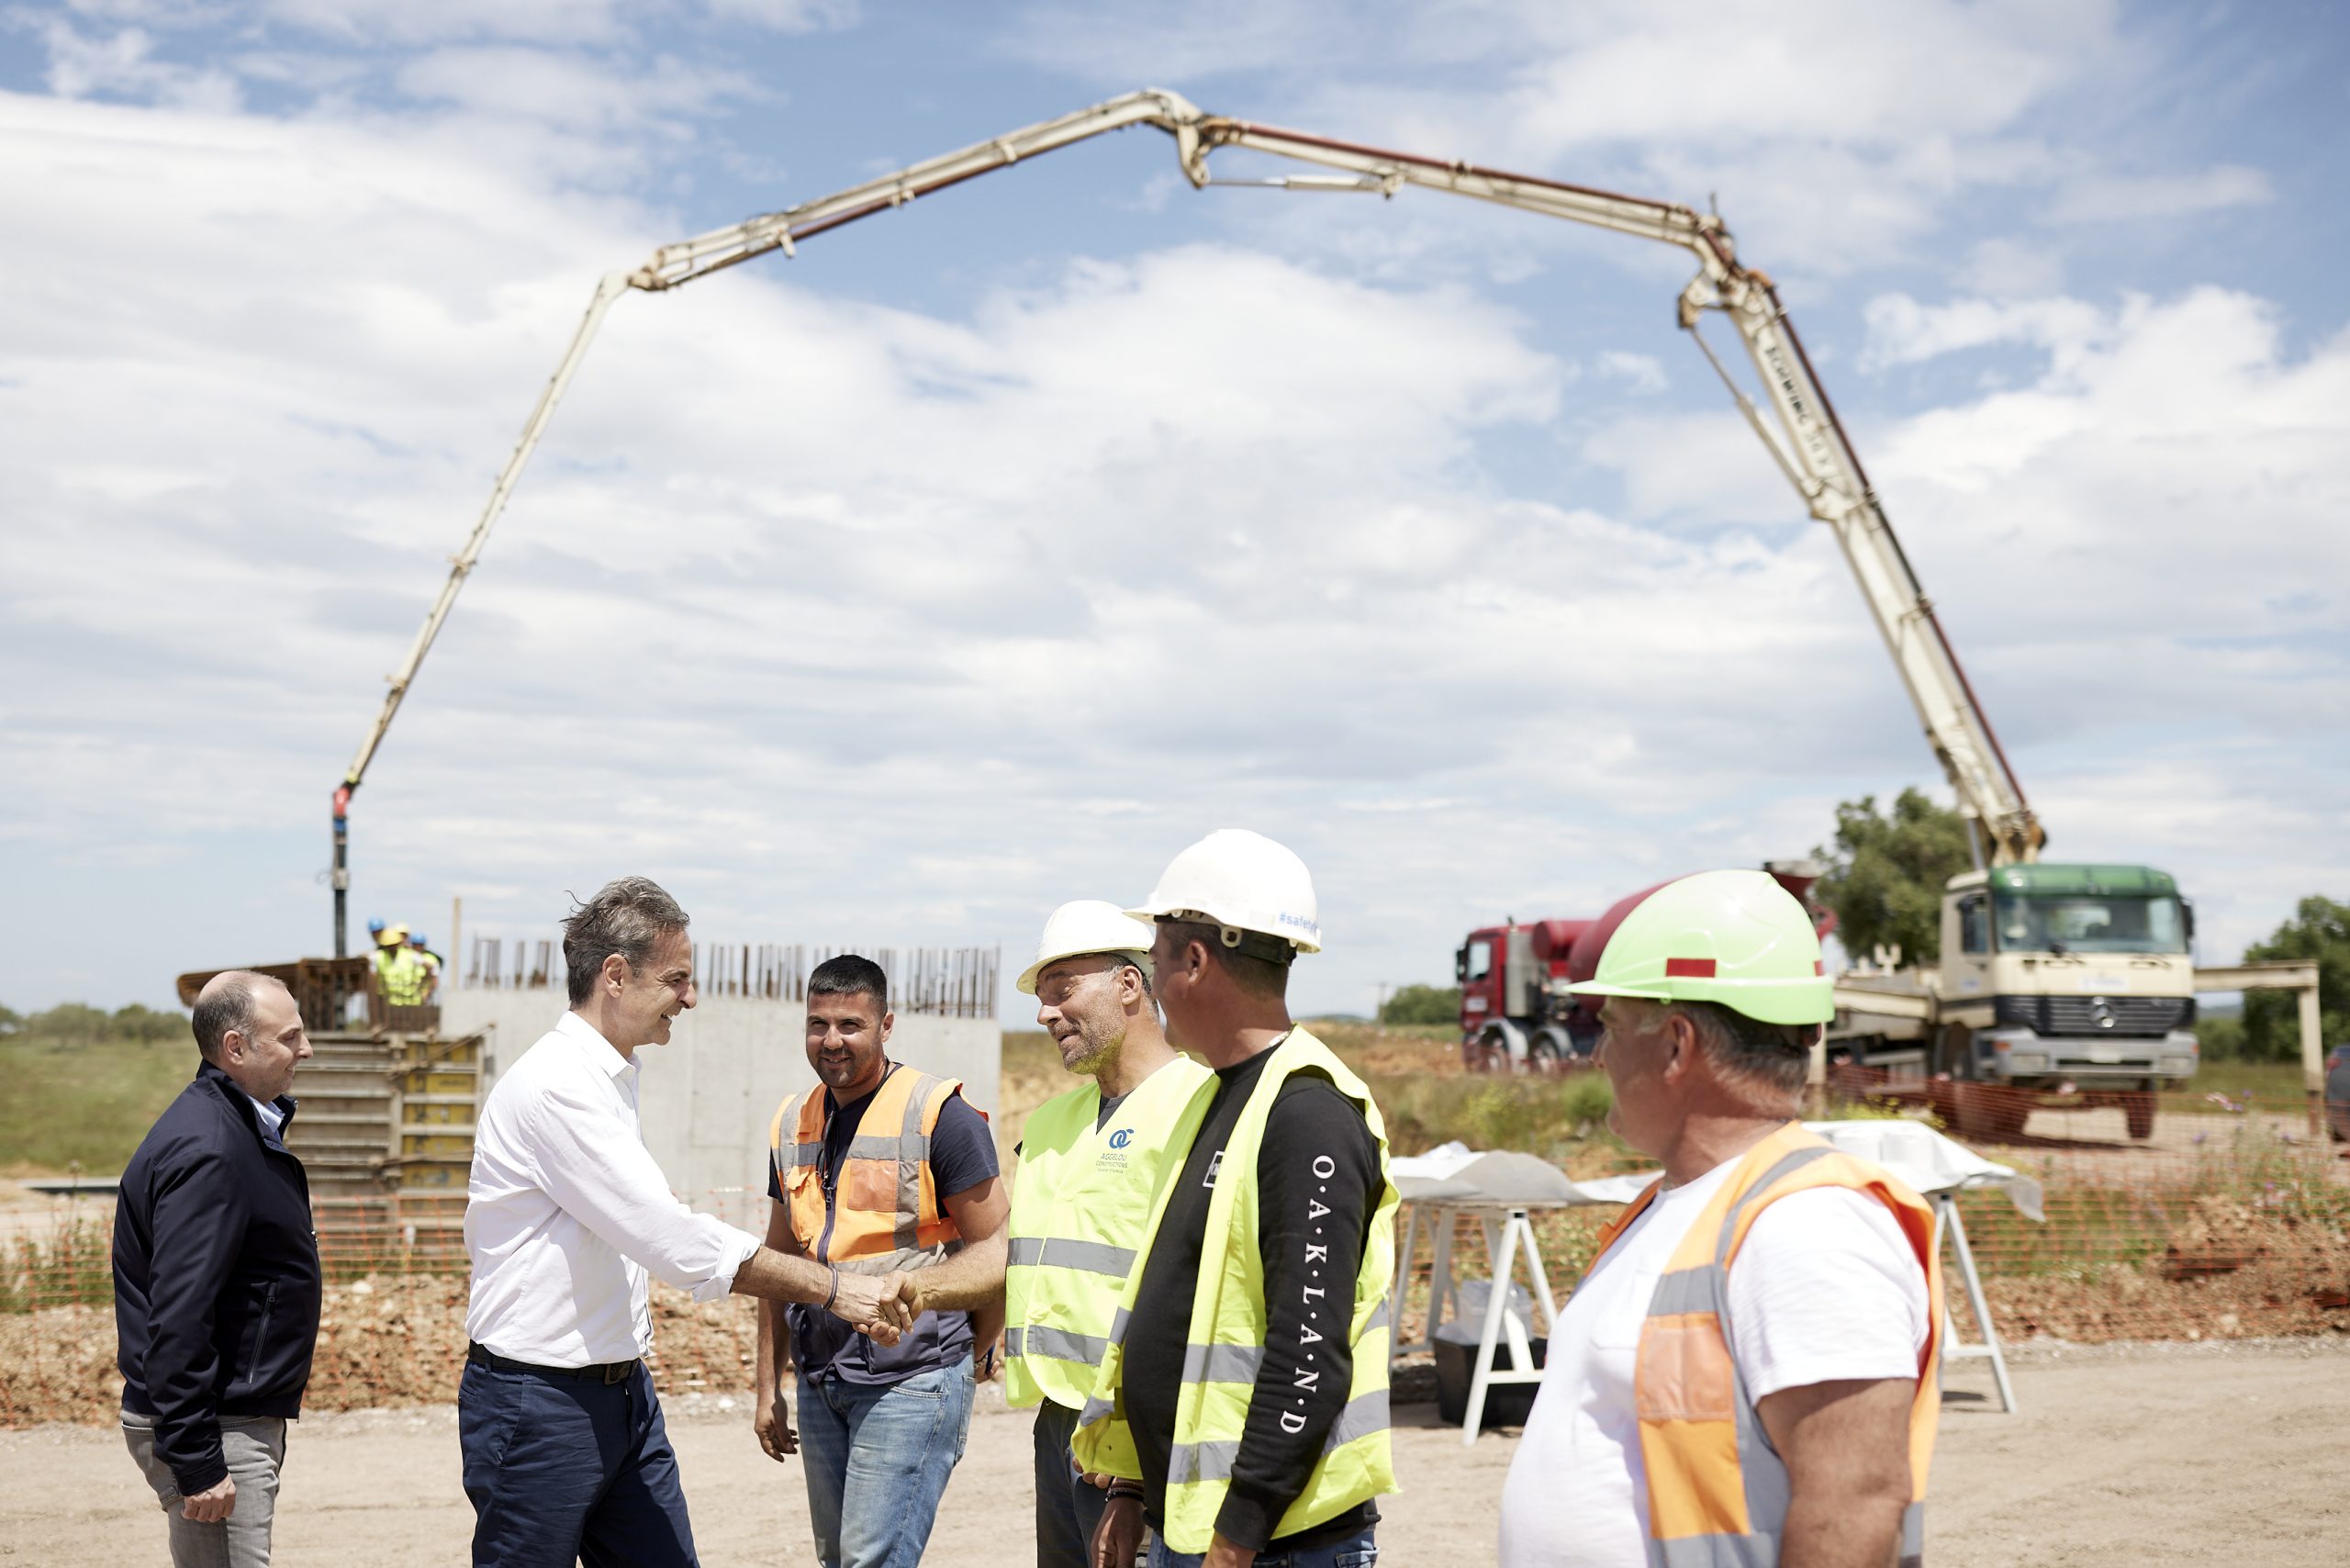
(990, 551)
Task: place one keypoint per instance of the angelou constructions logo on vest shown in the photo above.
(1122, 1138)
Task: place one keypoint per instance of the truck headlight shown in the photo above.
(2027, 1061)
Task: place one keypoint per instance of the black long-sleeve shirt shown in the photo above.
(1318, 1174)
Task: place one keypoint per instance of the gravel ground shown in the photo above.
(2122, 1453)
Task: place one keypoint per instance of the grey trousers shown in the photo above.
(254, 1447)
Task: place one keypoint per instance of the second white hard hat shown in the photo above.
(1242, 881)
(1089, 925)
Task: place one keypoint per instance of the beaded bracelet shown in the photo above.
(831, 1295)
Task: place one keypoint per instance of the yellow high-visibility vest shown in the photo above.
(1718, 1492)
(403, 976)
(1224, 1344)
(1080, 1205)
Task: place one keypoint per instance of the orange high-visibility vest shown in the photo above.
(884, 1212)
(1718, 1492)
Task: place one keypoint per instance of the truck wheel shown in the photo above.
(1954, 1052)
(1990, 1111)
(1546, 1053)
(2138, 1110)
(1493, 1053)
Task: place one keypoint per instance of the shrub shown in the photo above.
(1422, 1004)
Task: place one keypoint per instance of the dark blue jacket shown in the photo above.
(216, 1275)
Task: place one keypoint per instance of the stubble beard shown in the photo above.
(1098, 1056)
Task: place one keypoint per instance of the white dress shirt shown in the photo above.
(567, 1212)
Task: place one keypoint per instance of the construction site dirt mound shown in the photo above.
(382, 1343)
(2232, 1269)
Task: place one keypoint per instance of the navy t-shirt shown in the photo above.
(962, 1155)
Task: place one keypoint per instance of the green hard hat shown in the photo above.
(1733, 937)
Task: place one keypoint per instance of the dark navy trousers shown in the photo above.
(561, 1470)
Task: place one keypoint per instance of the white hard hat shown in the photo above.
(1089, 925)
(1242, 881)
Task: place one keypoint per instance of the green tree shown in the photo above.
(71, 1023)
(10, 1021)
(140, 1022)
(1422, 1004)
(1886, 873)
(2319, 929)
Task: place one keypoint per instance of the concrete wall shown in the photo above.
(708, 1095)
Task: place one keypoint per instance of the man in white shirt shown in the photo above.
(566, 1456)
(1746, 1373)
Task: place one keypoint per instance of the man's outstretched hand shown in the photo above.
(881, 1307)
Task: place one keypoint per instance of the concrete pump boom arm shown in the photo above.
(1803, 434)
(1808, 443)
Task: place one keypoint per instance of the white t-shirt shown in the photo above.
(1825, 1287)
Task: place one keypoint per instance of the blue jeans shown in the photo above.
(877, 1459)
(1355, 1551)
(561, 1470)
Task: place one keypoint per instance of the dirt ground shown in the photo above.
(2160, 1453)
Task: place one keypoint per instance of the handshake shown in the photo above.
(879, 1306)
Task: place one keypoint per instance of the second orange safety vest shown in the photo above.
(885, 1213)
(1718, 1492)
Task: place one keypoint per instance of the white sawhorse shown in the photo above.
(1948, 1223)
(1506, 1228)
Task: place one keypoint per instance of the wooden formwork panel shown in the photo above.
(450, 1146)
(435, 1176)
(417, 1081)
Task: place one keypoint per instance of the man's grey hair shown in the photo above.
(1138, 962)
(1774, 1058)
(629, 917)
(227, 1003)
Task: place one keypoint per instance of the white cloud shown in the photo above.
(1640, 372)
(1903, 332)
(859, 620)
(124, 64)
(567, 91)
(1838, 132)
(2113, 198)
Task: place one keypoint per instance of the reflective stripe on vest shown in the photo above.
(1227, 1336)
(884, 1211)
(1080, 1200)
(1718, 1492)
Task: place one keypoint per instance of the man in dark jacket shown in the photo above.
(216, 1278)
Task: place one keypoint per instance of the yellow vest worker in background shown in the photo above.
(1090, 1162)
(401, 969)
(421, 945)
(1245, 1391)
(1746, 1376)
(880, 1169)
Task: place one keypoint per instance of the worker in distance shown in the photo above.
(1090, 1166)
(1746, 1375)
